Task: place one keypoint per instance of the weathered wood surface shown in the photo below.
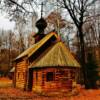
(21, 68)
(62, 79)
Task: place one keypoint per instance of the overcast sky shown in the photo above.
(6, 24)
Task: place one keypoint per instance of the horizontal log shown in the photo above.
(22, 62)
(21, 81)
(23, 65)
(18, 83)
(21, 70)
(20, 86)
(21, 78)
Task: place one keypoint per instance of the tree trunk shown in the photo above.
(82, 58)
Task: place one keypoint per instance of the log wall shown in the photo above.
(62, 79)
(21, 74)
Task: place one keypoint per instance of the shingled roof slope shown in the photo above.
(56, 55)
(28, 52)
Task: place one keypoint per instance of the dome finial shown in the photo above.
(41, 24)
(42, 9)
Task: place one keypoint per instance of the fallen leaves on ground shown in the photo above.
(5, 82)
(16, 94)
(10, 93)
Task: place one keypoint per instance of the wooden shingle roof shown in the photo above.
(56, 55)
(36, 46)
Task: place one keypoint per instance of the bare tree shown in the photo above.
(55, 21)
(77, 10)
(17, 8)
(7, 50)
(20, 26)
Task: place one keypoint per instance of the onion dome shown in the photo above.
(41, 24)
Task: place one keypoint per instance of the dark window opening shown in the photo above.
(50, 76)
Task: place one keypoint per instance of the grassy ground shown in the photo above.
(7, 92)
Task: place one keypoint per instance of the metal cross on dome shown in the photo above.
(42, 9)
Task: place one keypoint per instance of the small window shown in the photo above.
(50, 76)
